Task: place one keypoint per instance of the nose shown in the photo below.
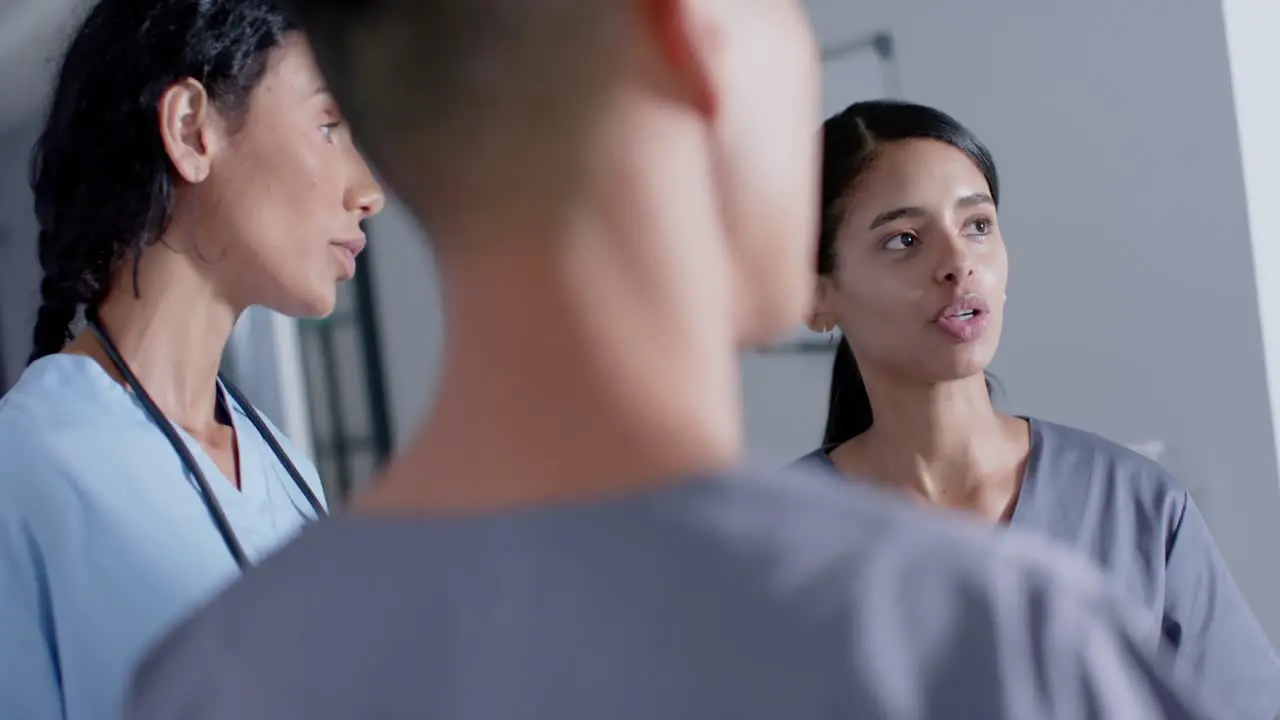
(364, 195)
(955, 264)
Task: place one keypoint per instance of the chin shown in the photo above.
(964, 366)
(318, 303)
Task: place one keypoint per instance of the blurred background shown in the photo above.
(1139, 150)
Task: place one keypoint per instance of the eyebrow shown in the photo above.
(968, 201)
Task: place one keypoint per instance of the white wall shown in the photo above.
(1133, 306)
(1254, 56)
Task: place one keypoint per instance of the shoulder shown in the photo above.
(958, 600)
(1107, 468)
(1074, 444)
(852, 571)
(53, 393)
(73, 441)
(819, 460)
(881, 547)
(797, 520)
(54, 424)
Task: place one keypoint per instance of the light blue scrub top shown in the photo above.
(105, 541)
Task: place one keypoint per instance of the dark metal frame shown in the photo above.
(884, 47)
(371, 343)
(336, 450)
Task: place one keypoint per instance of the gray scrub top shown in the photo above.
(743, 596)
(1126, 513)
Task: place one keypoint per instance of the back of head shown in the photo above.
(103, 183)
(441, 93)
(480, 108)
(852, 140)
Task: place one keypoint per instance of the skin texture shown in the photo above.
(260, 213)
(620, 291)
(892, 280)
(918, 233)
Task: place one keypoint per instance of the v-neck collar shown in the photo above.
(1026, 485)
(1030, 473)
(251, 488)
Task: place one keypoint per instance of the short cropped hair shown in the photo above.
(459, 86)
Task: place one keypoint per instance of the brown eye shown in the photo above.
(981, 226)
(901, 241)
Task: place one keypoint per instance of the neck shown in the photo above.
(569, 375)
(940, 440)
(172, 332)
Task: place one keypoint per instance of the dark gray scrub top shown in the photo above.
(1126, 513)
(743, 596)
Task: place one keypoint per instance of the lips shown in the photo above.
(965, 319)
(347, 250)
(355, 245)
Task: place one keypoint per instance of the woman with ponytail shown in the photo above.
(912, 270)
(192, 164)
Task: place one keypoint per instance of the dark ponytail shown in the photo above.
(103, 184)
(848, 406)
(850, 141)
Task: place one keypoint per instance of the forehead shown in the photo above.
(922, 173)
(291, 72)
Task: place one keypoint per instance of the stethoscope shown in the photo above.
(210, 500)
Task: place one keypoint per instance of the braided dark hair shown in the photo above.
(102, 179)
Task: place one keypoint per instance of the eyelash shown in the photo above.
(891, 238)
(986, 221)
(328, 129)
(990, 224)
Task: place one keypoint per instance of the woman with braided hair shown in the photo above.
(192, 164)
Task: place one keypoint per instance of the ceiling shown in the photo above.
(31, 34)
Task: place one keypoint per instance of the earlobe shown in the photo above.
(819, 319)
(185, 117)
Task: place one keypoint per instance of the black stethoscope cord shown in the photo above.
(184, 453)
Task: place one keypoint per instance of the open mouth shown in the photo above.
(969, 307)
(965, 319)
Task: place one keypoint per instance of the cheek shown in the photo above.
(290, 206)
(279, 230)
(878, 308)
(288, 168)
(996, 272)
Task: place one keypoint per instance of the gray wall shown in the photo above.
(19, 268)
(1133, 308)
